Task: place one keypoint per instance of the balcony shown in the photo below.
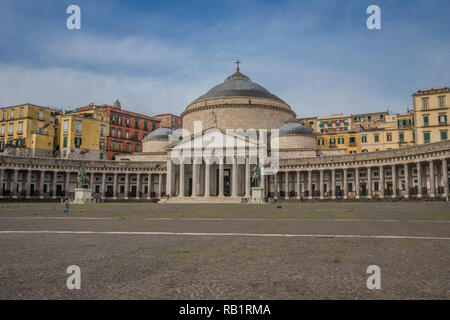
(442, 123)
(352, 144)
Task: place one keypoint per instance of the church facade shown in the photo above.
(235, 127)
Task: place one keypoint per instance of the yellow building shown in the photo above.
(431, 109)
(396, 131)
(81, 137)
(28, 130)
(348, 141)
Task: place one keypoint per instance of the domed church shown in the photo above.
(230, 111)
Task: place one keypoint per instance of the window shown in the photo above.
(443, 135)
(332, 142)
(426, 137)
(113, 132)
(320, 142)
(153, 126)
(21, 113)
(136, 123)
(425, 103)
(12, 114)
(376, 137)
(145, 125)
(120, 121)
(2, 132)
(401, 137)
(365, 150)
(78, 126)
(41, 114)
(425, 121)
(128, 147)
(441, 102)
(11, 127)
(20, 128)
(137, 148)
(102, 131)
(388, 136)
(102, 145)
(442, 119)
(77, 142)
(136, 136)
(65, 142)
(127, 134)
(119, 133)
(127, 122)
(352, 141)
(341, 141)
(66, 125)
(4, 115)
(363, 139)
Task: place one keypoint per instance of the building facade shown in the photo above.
(126, 129)
(28, 130)
(169, 120)
(431, 111)
(189, 166)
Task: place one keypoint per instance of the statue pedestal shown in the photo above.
(257, 195)
(82, 196)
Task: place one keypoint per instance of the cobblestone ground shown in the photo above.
(217, 266)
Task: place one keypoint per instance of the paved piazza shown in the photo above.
(226, 251)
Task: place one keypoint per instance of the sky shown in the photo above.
(158, 56)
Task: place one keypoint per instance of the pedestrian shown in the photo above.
(66, 206)
(301, 199)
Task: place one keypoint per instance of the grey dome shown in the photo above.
(159, 134)
(237, 85)
(294, 128)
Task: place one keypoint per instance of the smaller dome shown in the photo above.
(159, 134)
(294, 128)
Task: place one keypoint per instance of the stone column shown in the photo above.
(286, 186)
(298, 185)
(2, 177)
(321, 187)
(221, 181)
(333, 184)
(138, 185)
(234, 187)
(41, 184)
(55, 181)
(28, 186)
(207, 178)
(91, 182)
(275, 182)
(357, 183)
(444, 176)
(194, 178)
(160, 176)
(14, 184)
(406, 170)
(432, 180)
(181, 178)
(394, 181)
(369, 182)
(382, 182)
(115, 186)
(66, 187)
(103, 185)
(127, 185)
(247, 178)
(149, 186)
(419, 180)
(345, 184)
(169, 177)
(310, 184)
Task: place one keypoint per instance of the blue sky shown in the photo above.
(158, 56)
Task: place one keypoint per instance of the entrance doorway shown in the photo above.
(226, 182)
